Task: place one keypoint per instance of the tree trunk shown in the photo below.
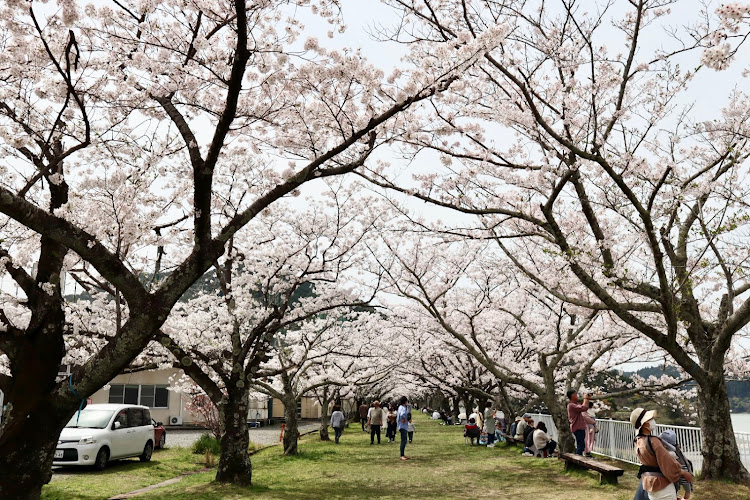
(27, 452)
(234, 464)
(291, 432)
(565, 438)
(721, 458)
(324, 427)
(456, 404)
(325, 419)
(467, 405)
(35, 417)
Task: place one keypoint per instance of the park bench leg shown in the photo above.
(608, 479)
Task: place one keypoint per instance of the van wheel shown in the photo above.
(101, 459)
(147, 451)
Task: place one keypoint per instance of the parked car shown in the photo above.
(103, 432)
(160, 434)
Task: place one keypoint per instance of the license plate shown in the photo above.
(59, 453)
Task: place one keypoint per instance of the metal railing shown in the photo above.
(615, 440)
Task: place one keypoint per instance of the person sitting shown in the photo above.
(512, 430)
(471, 430)
(528, 430)
(435, 415)
(445, 418)
(523, 424)
(544, 444)
(528, 445)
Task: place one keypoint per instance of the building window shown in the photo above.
(153, 396)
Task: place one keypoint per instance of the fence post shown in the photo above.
(611, 438)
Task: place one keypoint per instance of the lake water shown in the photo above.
(741, 422)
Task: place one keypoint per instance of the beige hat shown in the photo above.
(518, 419)
(639, 416)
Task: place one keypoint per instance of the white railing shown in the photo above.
(615, 440)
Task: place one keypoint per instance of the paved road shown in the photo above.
(259, 436)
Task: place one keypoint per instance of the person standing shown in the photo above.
(411, 428)
(489, 424)
(363, 408)
(402, 422)
(375, 420)
(660, 470)
(390, 431)
(337, 422)
(576, 418)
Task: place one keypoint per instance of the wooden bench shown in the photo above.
(607, 473)
(511, 440)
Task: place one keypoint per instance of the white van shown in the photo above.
(103, 432)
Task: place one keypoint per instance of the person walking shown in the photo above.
(577, 421)
(402, 422)
(337, 422)
(660, 470)
(375, 420)
(363, 409)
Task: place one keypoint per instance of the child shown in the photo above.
(410, 428)
(590, 418)
(471, 430)
(669, 439)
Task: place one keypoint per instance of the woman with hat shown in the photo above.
(660, 470)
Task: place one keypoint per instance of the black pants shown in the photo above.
(337, 432)
(374, 430)
(550, 448)
(411, 435)
(390, 431)
(403, 441)
(364, 421)
(580, 435)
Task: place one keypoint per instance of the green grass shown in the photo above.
(120, 476)
(441, 467)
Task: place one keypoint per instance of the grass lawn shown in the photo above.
(441, 467)
(120, 476)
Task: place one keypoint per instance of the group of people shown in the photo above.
(535, 438)
(396, 420)
(536, 441)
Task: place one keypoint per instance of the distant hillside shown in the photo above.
(739, 390)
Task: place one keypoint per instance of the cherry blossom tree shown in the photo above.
(347, 369)
(322, 352)
(476, 303)
(570, 144)
(279, 280)
(192, 118)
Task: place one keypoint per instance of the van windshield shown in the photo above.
(90, 419)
